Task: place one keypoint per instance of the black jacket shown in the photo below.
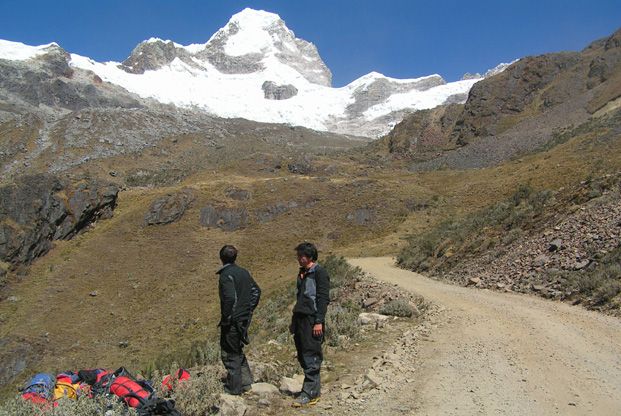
(313, 294)
(239, 294)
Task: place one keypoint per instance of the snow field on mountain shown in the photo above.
(16, 51)
(262, 39)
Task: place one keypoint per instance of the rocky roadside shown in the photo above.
(559, 260)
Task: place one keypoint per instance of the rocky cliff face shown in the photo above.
(423, 131)
(47, 83)
(39, 209)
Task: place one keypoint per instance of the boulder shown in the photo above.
(292, 385)
(16, 355)
(169, 208)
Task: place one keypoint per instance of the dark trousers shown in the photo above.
(310, 355)
(238, 376)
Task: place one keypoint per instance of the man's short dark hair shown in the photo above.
(228, 254)
(307, 249)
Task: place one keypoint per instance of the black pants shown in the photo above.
(238, 376)
(309, 351)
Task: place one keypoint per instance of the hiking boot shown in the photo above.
(304, 400)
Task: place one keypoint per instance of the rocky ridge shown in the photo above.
(515, 111)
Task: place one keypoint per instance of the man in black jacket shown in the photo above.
(308, 322)
(239, 296)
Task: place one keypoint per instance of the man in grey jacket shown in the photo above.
(239, 296)
(308, 321)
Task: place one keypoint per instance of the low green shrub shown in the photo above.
(84, 406)
(341, 273)
(342, 321)
(199, 395)
(447, 243)
(397, 307)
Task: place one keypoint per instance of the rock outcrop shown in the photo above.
(273, 91)
(492, 101)
(169, 208)
(517, 108)
(225, 218)
(41, 208)
(48, 81)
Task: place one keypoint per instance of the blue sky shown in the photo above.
(399, 38)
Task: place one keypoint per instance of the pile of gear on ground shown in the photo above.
(45, 390)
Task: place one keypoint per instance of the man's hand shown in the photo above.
(317, 330)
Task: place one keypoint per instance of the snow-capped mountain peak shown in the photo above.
(253, 31)
(255, 68)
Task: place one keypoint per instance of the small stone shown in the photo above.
(232, 405)
(292, 385)
(555, 245)
(474, 281)
(123, 344)
(373, 378)
(367, 303)
(371, 318)
(582, 264)
(541, 260)
(93, 293)
(264, 389)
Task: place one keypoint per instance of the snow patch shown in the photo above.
(419, 100)
(17, 51)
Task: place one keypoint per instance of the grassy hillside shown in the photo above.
(155, 286)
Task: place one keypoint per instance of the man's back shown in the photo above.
(239, 294)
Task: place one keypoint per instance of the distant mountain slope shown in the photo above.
(515, 111)
(255, 68)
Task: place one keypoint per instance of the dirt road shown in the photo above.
(506, 354)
